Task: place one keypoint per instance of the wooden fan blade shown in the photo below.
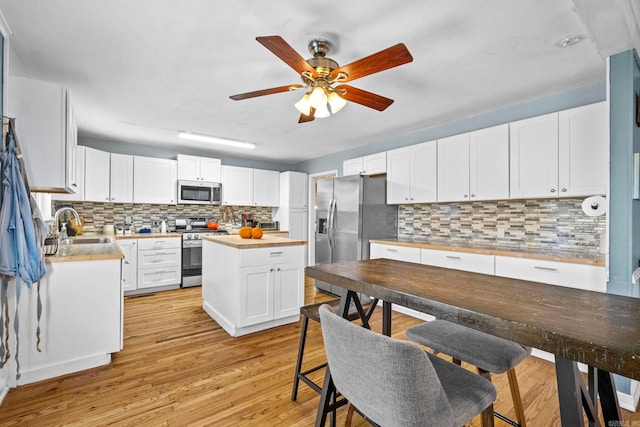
(362, 97)
(383, 60)
(304, 118)
(286, 53)
(263, 92)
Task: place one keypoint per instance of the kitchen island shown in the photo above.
(81, 322)
(249, 285)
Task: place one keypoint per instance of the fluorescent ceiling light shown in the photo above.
(215, 140)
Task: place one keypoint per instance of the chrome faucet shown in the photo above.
(56, 219)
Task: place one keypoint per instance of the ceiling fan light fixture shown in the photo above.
(318, 98)
(322, 112)
(215, 140)
(304, 106)
(336, 102)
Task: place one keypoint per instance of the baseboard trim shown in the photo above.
(67, 367)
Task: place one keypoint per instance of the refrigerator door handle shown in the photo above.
(330, 227)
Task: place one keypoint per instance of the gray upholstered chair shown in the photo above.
(490, 354)
(396, 383)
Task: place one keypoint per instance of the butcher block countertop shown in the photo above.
(559, 255)
(267, 241)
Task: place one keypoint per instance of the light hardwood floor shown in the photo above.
(179, 368)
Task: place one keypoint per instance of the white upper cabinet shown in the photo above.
(561, 154)
(266, 188)
(368, 165)
(293, 190)
(97, 170)
(154, 180)
(108, 177)
(412, 174)
(121, 178)
(534, 157)
(250, 187)
(46, 131)
(237, 186)
(79, 171)
(453, 168)
(489, 163)
(193, 168)
(583, 151)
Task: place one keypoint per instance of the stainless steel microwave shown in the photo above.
(199, 192)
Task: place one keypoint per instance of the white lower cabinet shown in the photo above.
(81, 323)
(398, 253)
(129, 270)
(159, 262)
(476, 263)
(252, 289)
(580, 276)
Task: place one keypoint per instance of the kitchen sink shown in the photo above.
(85, 240)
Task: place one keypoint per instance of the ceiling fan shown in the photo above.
(323, 78)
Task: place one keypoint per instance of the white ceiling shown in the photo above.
(139, 71)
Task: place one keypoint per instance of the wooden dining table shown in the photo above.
(598, 329)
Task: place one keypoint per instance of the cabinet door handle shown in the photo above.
(271, 270)
(126, 262)
(564, 190)
(537, 267)
(465, 196)
(278, 269)
(74, 185)
(473, 195)
(452, 257)
(553, 190)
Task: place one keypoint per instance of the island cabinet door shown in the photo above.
(255, 296)
(289, 290)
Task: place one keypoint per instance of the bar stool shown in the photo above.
(311, 312)
(490, 354)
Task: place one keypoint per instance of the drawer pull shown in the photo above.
(275, 253)
(545, 268)
(391, 250)
(452, 257)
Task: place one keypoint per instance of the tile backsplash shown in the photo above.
(546, 223)
(94, 215)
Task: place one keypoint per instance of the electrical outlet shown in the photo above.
(500, 233)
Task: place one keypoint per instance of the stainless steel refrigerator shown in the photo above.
(350, 211)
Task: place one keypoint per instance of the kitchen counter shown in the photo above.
(575, 257)
(267, 241)
(235, 232)
(86, 252)
(249, 285)
(146, 235)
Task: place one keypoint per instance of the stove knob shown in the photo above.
(196, 236)
(188, 236)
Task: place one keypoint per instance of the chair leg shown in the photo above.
(487, 416)
(517, 398)
(303, 339)
(347, 421)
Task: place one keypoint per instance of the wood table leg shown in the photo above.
(569, 392)
(575, 397)
(386, 318)
(608, 398)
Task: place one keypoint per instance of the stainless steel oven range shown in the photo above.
(192, 230)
